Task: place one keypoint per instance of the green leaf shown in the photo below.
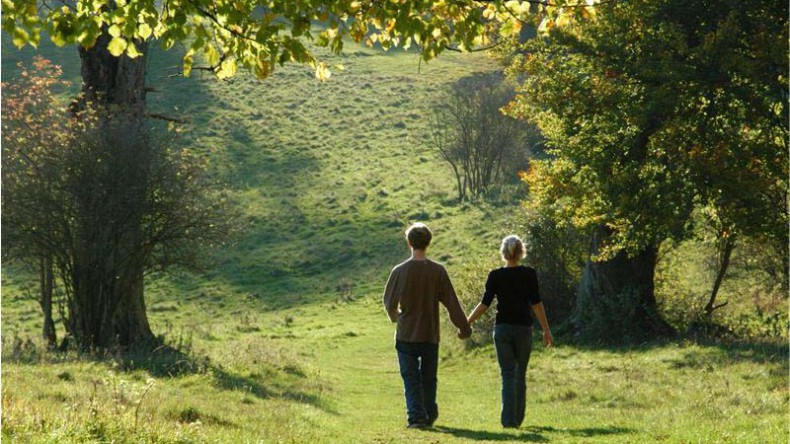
(144, 31)
(117, 46)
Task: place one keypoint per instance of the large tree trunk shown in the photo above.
(107, 307)
(115, 83)
(616, 301)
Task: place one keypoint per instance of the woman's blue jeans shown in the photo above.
(419, 362)
(513, 346)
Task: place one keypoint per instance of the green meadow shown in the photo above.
(285, 339)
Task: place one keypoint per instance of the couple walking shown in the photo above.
(412, 296)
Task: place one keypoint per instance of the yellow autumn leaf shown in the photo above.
(546, 25)
(322, 72)
(589, 12)
(131, 51)
(489, 13)
(563, 19)
(227, 68)
(117, 46)
(114, 31)
(144, 31)
(188, 60)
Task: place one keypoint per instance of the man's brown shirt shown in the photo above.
(416, 287)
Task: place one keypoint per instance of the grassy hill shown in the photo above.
(285, 341)
(327, 175)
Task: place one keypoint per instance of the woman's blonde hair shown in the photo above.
(512, 248)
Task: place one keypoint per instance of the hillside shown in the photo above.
(327, 175)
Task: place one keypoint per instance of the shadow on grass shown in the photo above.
(768, 351)
(585, 432)
(166, 361)
(162, 361)
(480, 435)
(532, 434)
(251, 385)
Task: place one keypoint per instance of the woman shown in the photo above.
(516, 289)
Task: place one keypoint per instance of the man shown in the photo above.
(412, 296)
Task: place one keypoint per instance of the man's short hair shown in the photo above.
(419, 236)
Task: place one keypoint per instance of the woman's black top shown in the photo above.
(516, 290)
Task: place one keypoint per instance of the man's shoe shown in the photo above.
(431, 420)
(417, 425)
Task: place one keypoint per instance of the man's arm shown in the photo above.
(454, 308)
(392, 295)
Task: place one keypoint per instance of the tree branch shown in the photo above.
(452, 48)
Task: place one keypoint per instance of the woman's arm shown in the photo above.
(540, 313)
(477, 312)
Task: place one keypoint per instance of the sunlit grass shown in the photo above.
(327, 372)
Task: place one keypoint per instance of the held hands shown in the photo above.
(461, 335)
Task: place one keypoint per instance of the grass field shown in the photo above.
(285, 341)
(327, 372)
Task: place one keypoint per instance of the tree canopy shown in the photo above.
(259, 35)
(657, 108)
(652, 113)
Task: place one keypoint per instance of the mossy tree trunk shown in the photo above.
(616, 300)
(107, 305)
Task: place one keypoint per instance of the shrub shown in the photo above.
(470, 285)
(558, 254)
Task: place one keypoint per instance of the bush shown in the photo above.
(754, 290)
(596, 314)
(470, 285)
(558, 254)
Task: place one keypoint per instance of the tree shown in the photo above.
(650, 111)
(482, 145)
(78, 196)
(30, 124)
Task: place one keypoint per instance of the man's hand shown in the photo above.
(464, 335)
(393, 314)
(548, 339)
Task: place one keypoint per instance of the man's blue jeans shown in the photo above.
(513, 346)
(419, 362)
